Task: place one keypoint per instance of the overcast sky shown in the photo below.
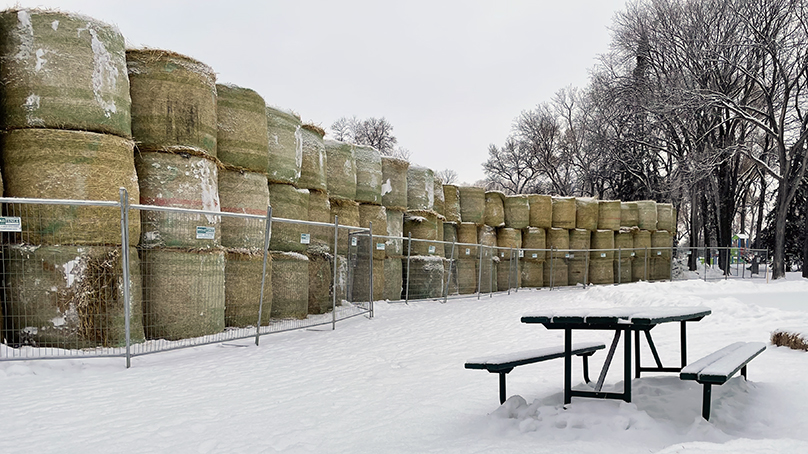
(450, 76)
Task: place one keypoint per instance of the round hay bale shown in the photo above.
(629, 214)
(322, 237)
(577, 272)
(313, 162)
(54, 164)
(580, 241)
(609, 214)
(420, 188)
(246, 193)
(472, 204)
(508, 275)
(450, 237)
(487, 236)
(341, 169)
(534, 243)
(640, 267)
(624, 241)
(288, 202)
(532, 274)
(555, 273)
(360, 291)
(509, 238)
(180, 181)
(376, 214)
(661, 242)
(394, 183)
(347, 212)
(601, 271)
(393, 278)
(466, 276)
(564, 215)
(622, 271)
(173, 102)
(451, 203)
(320, 281)
(648, 215)
(517, 211)
(586, 213)
(541, 211)
(666, 218)
(285, 136)
(660, 269)
(467, 236)
(558, 239)
(70, 297)
(440, 234)
(422, 225)
(183, 293)
(425, 278)
(494, 209)
(290, 285)
(368, 175)
(340, 284)
(394, 247)
(439, 198)
(241, 140)
(62, 70)
(488, 275)
(602, 245)
(242, 288)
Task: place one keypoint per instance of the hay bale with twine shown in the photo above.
(361, 280)
(580, 243)
(285, 136)
(320, 281)
(54, 164)
(564, 212)
(451, 203)
(394, 183)
(368, 175)
(555, 273)
(290, 285)
(420, 189)
(322, 237)
(467, 236)
(340, 169)
(641, 265)
(472, 204)
(183, 292)
(666, 217)
(662, 242)
(541, 211)
(629, 214)
(313, 161)
(69, 296)
(586, 213)
(425, 278)
(376, 214)
(62, 70)
(601, 271)
(609, 214)
(602, 244)
(439, 198)
(173, 102)
(241, 139)
(245, 193)
(648, 215)
(394, 247)
(288, 202)
(422, 225)
(347, 212)
(466, 276)
(517, 211)
(558, 241)
(534, 241)
(393, 278)
(243, 271)
(494, 209)
(532, 274)
(181, 181)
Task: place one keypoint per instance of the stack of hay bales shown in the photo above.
(601, 261)
(488, 267)
(371, 251)
(451, 211)
(66, 116)
(579, 245)
(341, 182)
(466, 258)
(624, 243)
(534, 242)
(641, 264)
(472, 204)
(494, 209)
(394, 199)
(425, 226)
(289, 243)
(509, 242)
(661, 242)
(556, 272)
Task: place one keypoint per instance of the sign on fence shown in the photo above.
(205, 233)
(10, 224)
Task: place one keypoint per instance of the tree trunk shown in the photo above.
(805, 238)
(778, 262)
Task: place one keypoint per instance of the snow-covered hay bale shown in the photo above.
(422, 225)
(425, 278)
(313, 161)
(69, 296)
(577, 272)
(420, 188)
(601, 271)
(466, 275)
(347, 212)
(288, 202)
(450, 236)
(532, 274)
(241, 140)
(285, 140)
(602, 239)
(361, 280)
(580, 243)
(508, 238)
(648, 215)
(487, 236)
(586, 213)
(183, 293)
(242, 288)
(394, 183)
(555, 273)
(467, 234)
(558, 239)
(439, 203)
(609, 214)
(340, 169)
(541, 210)
(661, 242)
(517, 211)
(245, 193)
(55, 164)
(564, 212)
(290, 285)
(173, 102)
(377, 215)
(494, 209)
(322, 237)
(629, 214)
(534, 240)
(393, 278)
(472, 204)
(666, 217)
(451, 203)
(394, 247)
(368, 175)
(180, 181)
(320, 281)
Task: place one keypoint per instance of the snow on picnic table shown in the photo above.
(396, 384)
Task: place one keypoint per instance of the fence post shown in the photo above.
(646, 264)
(491, 274)
(334, 278)
(705, 264)
(586, 268)
(479, 271)
(409, 276)
(124, 202)
(449, 275)
(510, 270)
(619, 265)
(267, 233)
(370, 245)
(519, 254)
(552, 260)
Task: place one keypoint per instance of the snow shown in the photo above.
(396, 383)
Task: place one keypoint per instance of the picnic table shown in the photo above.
(623, 321)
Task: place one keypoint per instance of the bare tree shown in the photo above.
(375, 132)
(446, 176)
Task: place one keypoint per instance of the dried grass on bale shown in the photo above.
(179, 181)
(624, 240)
(394, 183)
(368, 175)
(320, 281)
(532, 274)
(290, 285)
(450, 237)
(609, 214)
(439, 203)
(508, 275)
(314, 162)
(341, 169)
(422, 225)
(288, 202)
(509, 238)
(534, 240)
(340, 285)
(666, 217)
(241, 140)
(467, 235)
(494, 209)
(487, 236)
(793, 340)
(420, 188)
(558, 239)
(629, 214)
(173, 101)
(441, 220)
(450, 277)
(661, 239)
(245, 193)
(393, 278)
(425, 278)
(377, 215)
(586, 213)
(466, 276)
(580, 243)
(183, 292)
(564, 212)
(322, 237)
(451, 203)
(541, 211)
(54, 164)
(639, 270)
(71, 75)
(601, 271)
(555, 273)
(660, 269)
(285, 137)
(517, 211)
(472, 204)
(361, 280)
(602, 239)
(577, 272)
(347, 212)
(394, 247)
(648, 214)
(69, 297)
(622, 270)
(242, 288)
(488, 274)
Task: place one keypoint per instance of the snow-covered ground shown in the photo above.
(396, 384)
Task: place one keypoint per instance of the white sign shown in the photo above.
(205, 233)
(502, 254)
(633, 254)
(603, 254)
(658, 252)
(305, 238)
(431, 249)
(535, 255)
(569, 256)
(353, 241)
(379, 246)
(521, 253)
(10, 224)
(468, 251)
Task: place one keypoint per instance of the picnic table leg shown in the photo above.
(502, 392)
(627, 365)
(705, 401)
(683, 343)
(567, 365)
(637, 354)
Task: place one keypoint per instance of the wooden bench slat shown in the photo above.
(721, 370)
(510, 360)
(692, 370)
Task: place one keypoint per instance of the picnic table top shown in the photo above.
(644, 316)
